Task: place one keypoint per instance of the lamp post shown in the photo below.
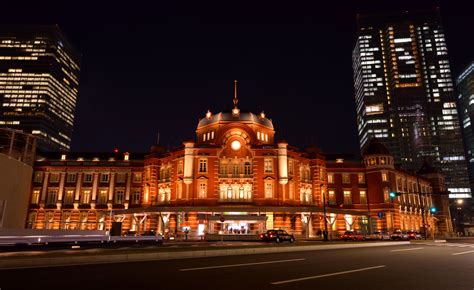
(325, 232)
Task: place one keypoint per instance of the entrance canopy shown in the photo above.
(247, 218)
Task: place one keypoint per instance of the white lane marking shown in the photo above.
(327, 275)
(462, 253)
(242, 265)
(410, 249)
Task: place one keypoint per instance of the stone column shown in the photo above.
(45, 187)
(111, 186)
(188, 165)
(61, 189)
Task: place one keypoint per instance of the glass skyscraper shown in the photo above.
(465, 88)
(39, 81)
(404, 93)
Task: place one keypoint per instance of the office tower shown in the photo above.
(39, 83)
(465, 88)
(404, 93)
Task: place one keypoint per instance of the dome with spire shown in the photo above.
(229, 117)
(220, 127)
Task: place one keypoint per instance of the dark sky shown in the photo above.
(149, 67)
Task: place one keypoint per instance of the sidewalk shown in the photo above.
(129, 255)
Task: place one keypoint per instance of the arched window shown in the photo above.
(235, 169)
(241, 192)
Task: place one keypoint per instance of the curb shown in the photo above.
(41, 262)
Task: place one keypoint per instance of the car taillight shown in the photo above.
(271, 236)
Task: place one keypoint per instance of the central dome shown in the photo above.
(242, 117)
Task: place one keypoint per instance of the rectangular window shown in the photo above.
(102, 196)
(104, 177)
(235, 169)
(290, 167)
(268, 165)
(202, 165)
(69, 197)
(247, 168)
(35, 196)
(136, 196)
(268, 190)
(88, 177)
(147, 174)
(361, 178)
(347, 197)
(346, 178)
(180, 167)
(384, 176)
(386, 195)
(330, 177)
(71, 177)
(363, 197)
(332, 197)
(121, 177)
(85, 196)
(54, 178)
(119, 195)
(137, 177)
(38, 177)
(52, 196)
(202, 190)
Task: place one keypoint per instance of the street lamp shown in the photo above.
(325, 232)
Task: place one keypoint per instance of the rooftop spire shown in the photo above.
(235, 94)
(235, 110)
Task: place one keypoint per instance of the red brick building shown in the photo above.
(233, 179)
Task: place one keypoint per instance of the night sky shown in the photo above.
(149, 67)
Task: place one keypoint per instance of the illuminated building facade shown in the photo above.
(404, 93)
(233, 179)
(465, 88)
(39, 81)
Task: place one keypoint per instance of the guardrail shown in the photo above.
(39, 239)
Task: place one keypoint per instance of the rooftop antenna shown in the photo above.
(158, 139)
(235, 94)
(235, 110)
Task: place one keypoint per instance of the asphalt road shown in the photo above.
(416, 266)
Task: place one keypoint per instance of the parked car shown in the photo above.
(130, 233)
(378, 236)
(149, 233)
(399, 235)
(352, 236)
(412, 235)
(277, 236)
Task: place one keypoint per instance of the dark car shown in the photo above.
(399, 236)
(149, 233)
(412, 235)
(277, 236)
(352, 236)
